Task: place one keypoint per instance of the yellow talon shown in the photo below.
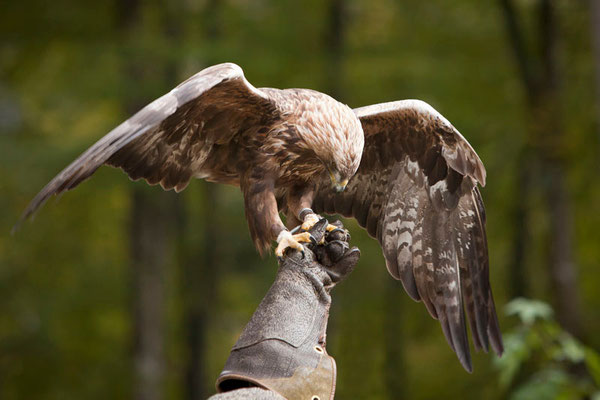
(303, 237)
(287, 240)
(331, 227)
(309, 221)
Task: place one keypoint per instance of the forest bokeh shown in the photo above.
(121, 290)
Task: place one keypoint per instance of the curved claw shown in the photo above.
(287, 240)
(309, 221)
(338, 234)
(331, 228)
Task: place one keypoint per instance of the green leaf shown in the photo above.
(516, 352)
(592, 361)
(547, 384)
(571, 349)
(529, 310)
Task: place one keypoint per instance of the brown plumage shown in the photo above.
(411, 179)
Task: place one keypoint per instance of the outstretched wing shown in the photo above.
(416, 192)
(180, 135)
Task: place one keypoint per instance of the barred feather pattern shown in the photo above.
(416, 192)
(195, 130)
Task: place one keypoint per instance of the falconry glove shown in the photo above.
(282, 348)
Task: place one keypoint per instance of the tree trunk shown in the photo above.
(394, 375)
(563, 273)
(517, 277)
(546, 136)
(201, 263)
(595, 25)
(149, 253)
(151, 213)
(200, 275)
(334, 48)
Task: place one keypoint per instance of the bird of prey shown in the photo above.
(400, 168)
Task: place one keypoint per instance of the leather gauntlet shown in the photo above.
(282, 348)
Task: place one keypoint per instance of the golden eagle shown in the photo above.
(400, 168)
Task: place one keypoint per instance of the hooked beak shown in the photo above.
(338, 186)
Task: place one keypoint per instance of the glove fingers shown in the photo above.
(318, 229)
(335, 250)
(344, 265)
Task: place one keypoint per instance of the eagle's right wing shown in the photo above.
(183, 134)
(416, 192)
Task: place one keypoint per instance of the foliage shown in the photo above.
(543, 361)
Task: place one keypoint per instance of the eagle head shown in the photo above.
(334, 134)
(343, 150)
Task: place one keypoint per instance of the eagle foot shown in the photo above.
(311, 219)
(288, 240)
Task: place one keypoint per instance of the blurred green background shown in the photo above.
(121, 290)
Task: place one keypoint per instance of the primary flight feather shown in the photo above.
(400, 168)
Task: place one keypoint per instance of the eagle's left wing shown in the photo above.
(416, 192)
(186, 133)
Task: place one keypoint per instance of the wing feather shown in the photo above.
(178, 136)
(416, 192)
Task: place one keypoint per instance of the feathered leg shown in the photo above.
(299, 202)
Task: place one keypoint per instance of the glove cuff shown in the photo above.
(247, 367)
(283, 346)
